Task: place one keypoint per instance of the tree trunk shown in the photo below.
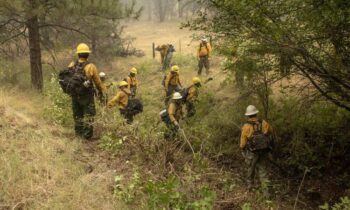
(45, 34)
(162, 10)
(150, 10)
(34, 50)
(181, 8)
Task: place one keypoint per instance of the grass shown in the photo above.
(38, 164)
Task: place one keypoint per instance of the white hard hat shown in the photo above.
(251, 110)
(204, 39)
(177, 96)
(102, 74)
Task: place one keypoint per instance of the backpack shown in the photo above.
(258, 141)
(135, 106)
(72, 80)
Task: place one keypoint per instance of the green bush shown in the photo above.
(111, 142)
(162, 194)
(311, 135)
(59, 109)
(342, 205)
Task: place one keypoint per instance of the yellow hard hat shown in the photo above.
(123, 83)
(175, 68)
(83, 48)
(133, 70)
(196, 80)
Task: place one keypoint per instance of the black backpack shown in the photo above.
(135, 106)
(258, 141)
(72, 80)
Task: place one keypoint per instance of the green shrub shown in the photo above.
(342, 205)
(111, 142)
(311, 135)
(59, 109)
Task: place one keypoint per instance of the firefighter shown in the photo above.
(172, 83)
(175, 113)
(203, 54)
(83, 101)
(132, 82)
(256, 155)
(122, 99)
(192, 96)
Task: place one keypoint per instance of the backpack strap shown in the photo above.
(257, 125)
(82, 65)
(204, 45)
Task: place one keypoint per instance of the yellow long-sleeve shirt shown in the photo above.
(204, 50)
(192, 94)
(175, 112)
(91, 73)
(132, 82)
(172, 79)
(121, 99)
(248, 130)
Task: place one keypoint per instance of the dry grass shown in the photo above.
(39, 166)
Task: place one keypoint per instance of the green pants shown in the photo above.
(257, 166)
(203, 62)
(171, 90)
(191, 109)
(83, 114)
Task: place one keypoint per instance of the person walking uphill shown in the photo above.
(122, 99)
(83, 103)
(132, 82)
(256, 142)
(191, 95)
(172, 83)
(203, 55)
(175, 113)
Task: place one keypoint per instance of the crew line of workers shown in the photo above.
(83, 106)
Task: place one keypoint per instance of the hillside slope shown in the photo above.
(42, 166)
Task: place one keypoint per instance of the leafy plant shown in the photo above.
(111, 142)
(342, 205)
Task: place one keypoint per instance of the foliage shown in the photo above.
(111, 142)
(343, 204)
(308, 38)
(311, 135)
(162, 194)
(14, 74)
(130, 191)
(58, 109)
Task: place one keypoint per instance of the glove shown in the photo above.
(176, 124)
(87, 83)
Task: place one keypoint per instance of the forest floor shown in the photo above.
(43, 166)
